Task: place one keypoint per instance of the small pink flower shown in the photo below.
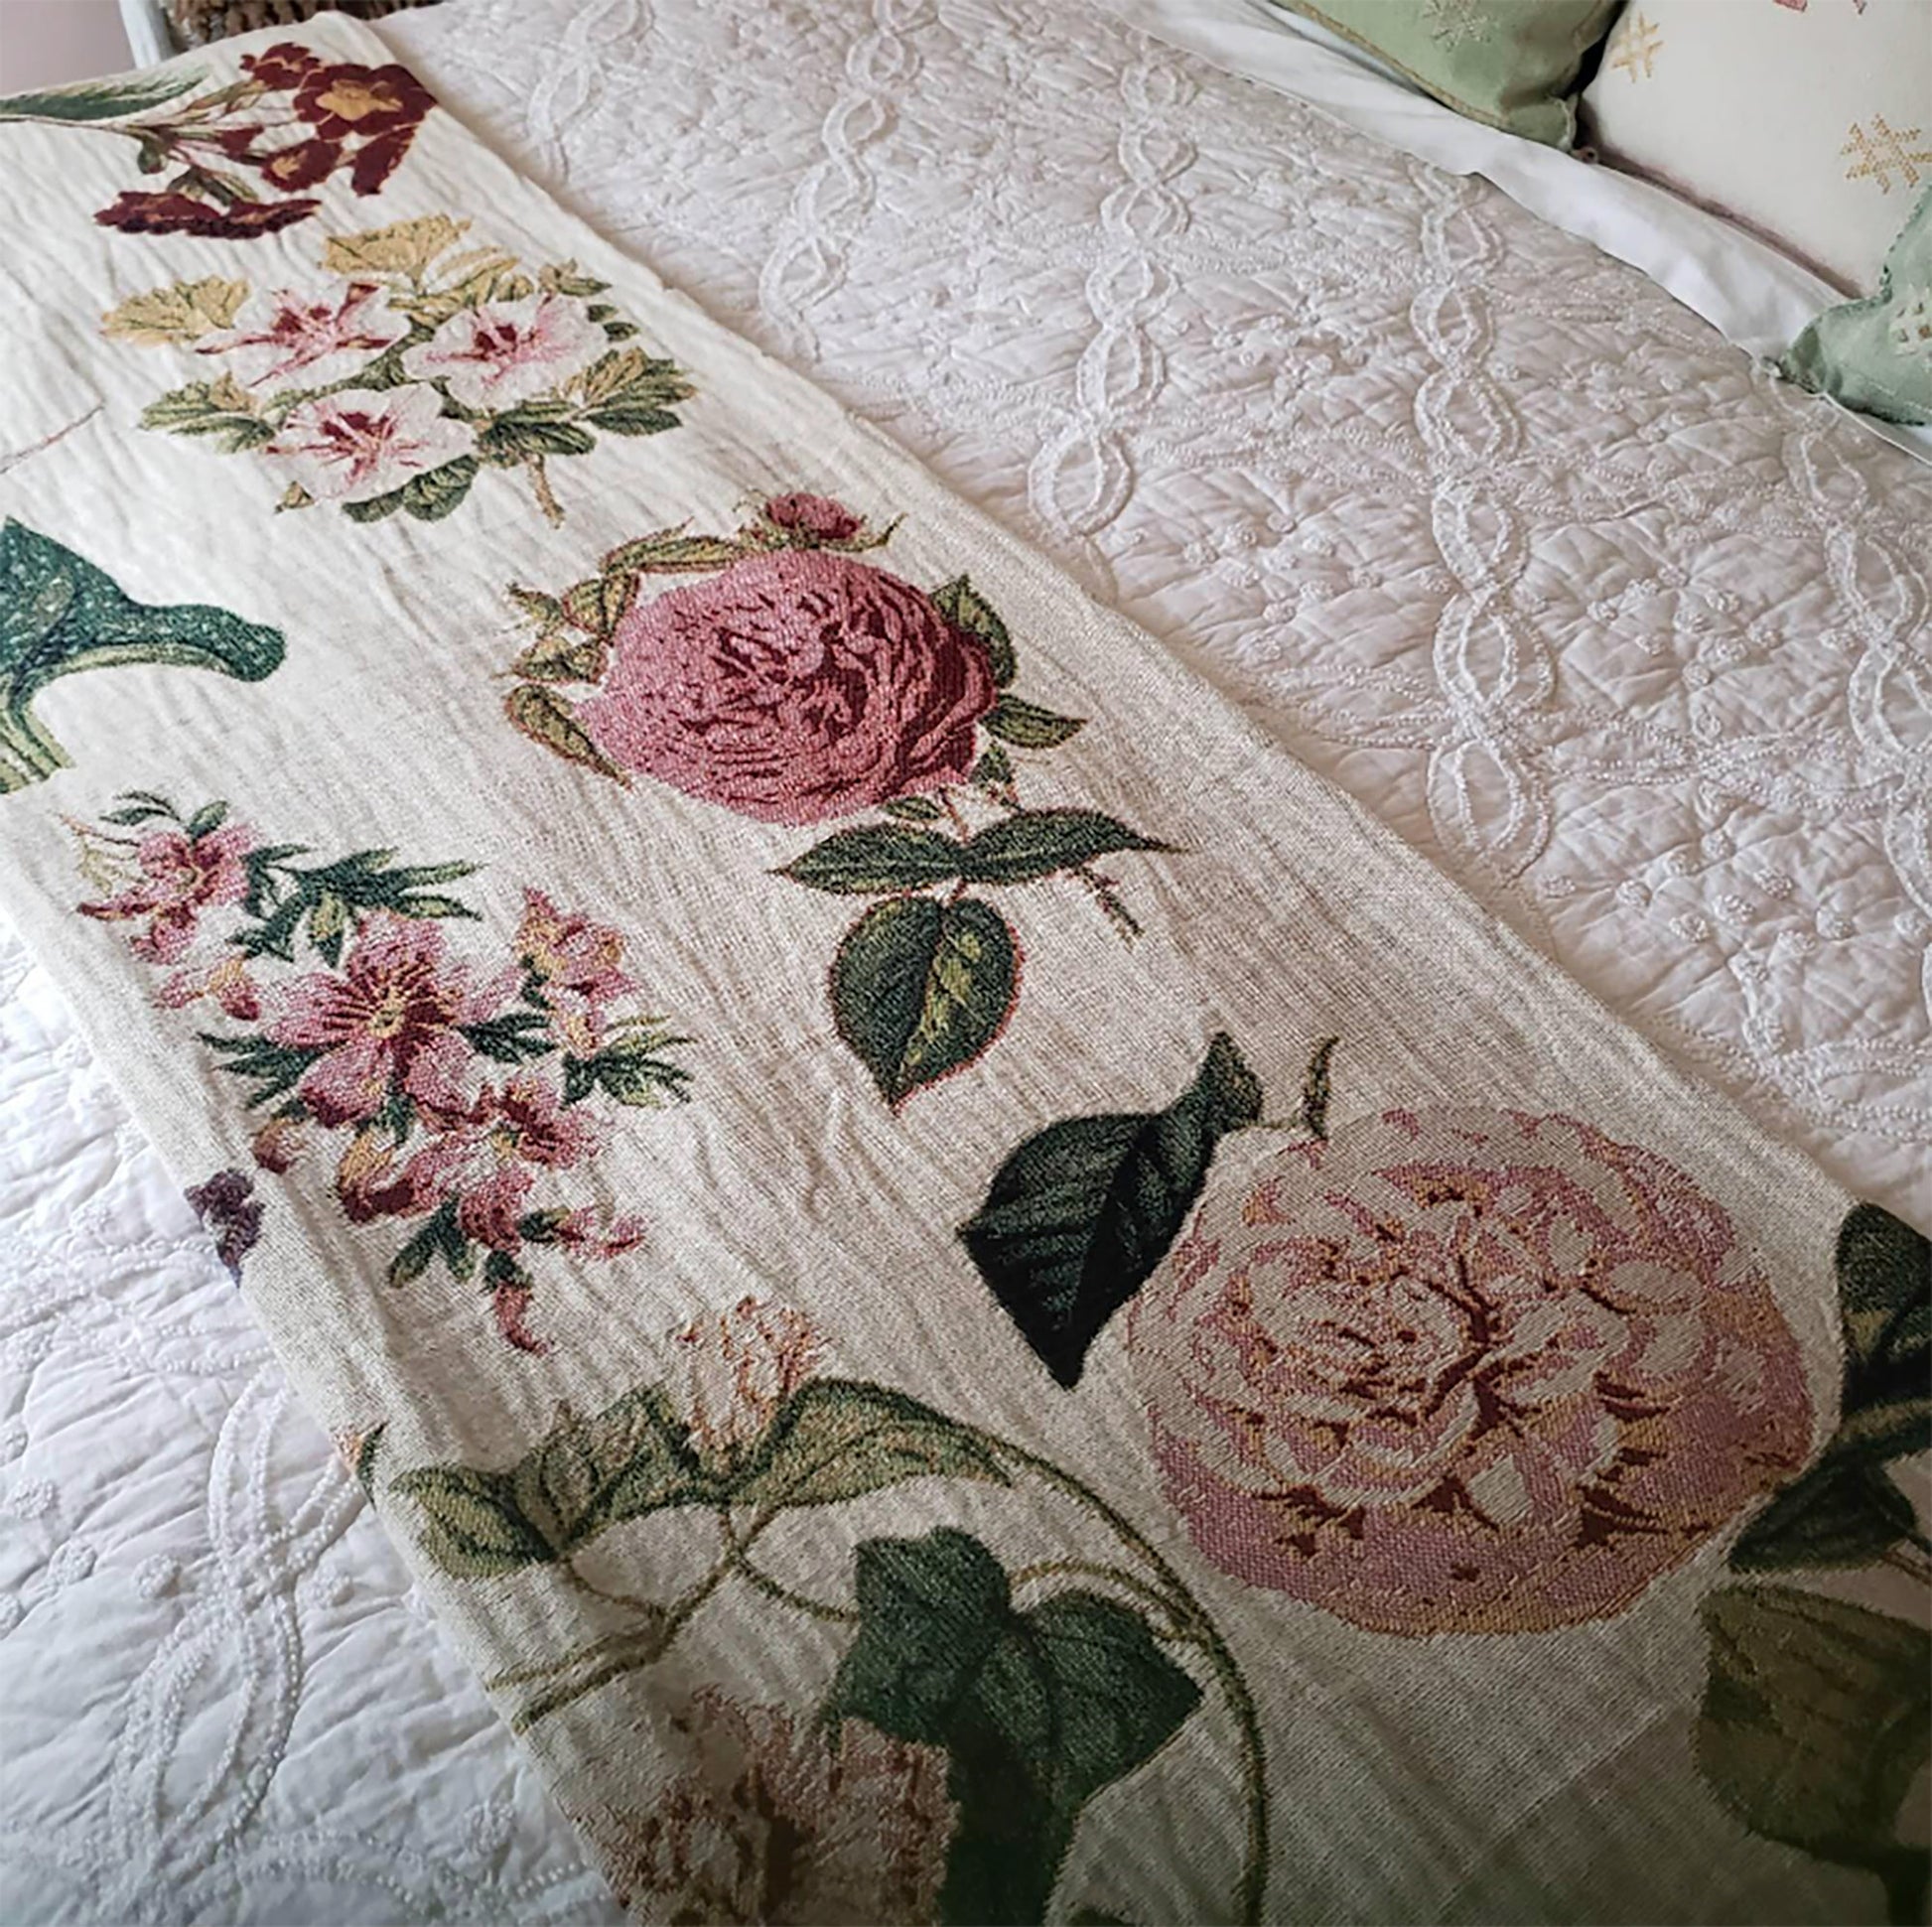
(794, 686)
(485, 1159)
(599, 1237)
(741, 1365)
(576, 964)
(784, 1825)
(181, 877)
(1466, 1372)
(506, 351)
(227, 982)
(360, 443)
(818, 516)
(387, 1021)
(283, 333)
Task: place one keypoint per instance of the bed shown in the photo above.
(1627, 637)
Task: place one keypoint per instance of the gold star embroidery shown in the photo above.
(1637, 47)
(1883, 150)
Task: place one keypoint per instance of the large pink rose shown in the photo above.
(792, 687)
(1466, 1372)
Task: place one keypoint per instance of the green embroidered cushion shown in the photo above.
(1513, 63)
(1876, 355)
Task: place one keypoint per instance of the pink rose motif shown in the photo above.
(792, 687)
(506, 351)
(784, 1825)
(387, 1022)
(227, 982)
(817, 517)
(741, 1366)
(279, 336)
(576, 964)
(181, 877)
(360, 443)
(1466, 1372)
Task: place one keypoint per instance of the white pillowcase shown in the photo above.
(1808, 121)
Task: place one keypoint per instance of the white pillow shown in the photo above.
(1808, 121)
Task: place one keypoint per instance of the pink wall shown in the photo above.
(46, 42)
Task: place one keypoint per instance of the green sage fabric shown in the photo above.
(1876, 355)
(1512, 64)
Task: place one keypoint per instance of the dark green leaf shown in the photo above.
(921, 987)
(376, 509)
(1843, 1512)
(432, 495)
(631, 421)
(58, 614)
(1816, 1718)
(549, 719)
(874, 860)
(272, 1068)
(675, 554)
(101, 99)
(994, 767)
(837, 1440)
(1884, 1277)
(511, 1039)
(1028, 727)
(963, 607)
(914, 809)
(515, 438)
(328, 924)
(1037, 1710)
(1315, 1089)
(589, 1474)
(207, 819)
(634, 1074)
(209, 408)
(1042, 843)
(1077, 1218)
(579, 1079)
(471, 1524)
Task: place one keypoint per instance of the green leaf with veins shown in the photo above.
(101, 99)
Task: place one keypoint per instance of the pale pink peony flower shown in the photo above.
(741, 1365)
(283, 333)
(387, 1021)
(1466, 1372)
(360, 443)
(784, 1826)
(181, 877)
(506, 351)
(791, 687)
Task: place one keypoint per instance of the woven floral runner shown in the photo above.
(974, 1299)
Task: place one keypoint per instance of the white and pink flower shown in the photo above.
(1460, 1371)
(741, 1366)
(576, 964)
(502, 353)
(181, 877)
(282, 335)
(360, 443)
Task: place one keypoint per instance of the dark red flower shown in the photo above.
(282, 68)
(379, 158)
(301, 166)
(181, 213)
(363, 101)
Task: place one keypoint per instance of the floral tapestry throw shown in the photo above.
(973, 1297)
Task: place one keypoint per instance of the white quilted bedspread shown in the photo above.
(1484, 526)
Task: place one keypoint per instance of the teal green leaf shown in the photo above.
(99, 99)
(838, 1439)
(1028, 727)
(921, 987)
(1037, 1710)
(1078, 1216)
(966, 609)
(1817, 1718)
(1044, 842)
(876, 860)
(60, 613)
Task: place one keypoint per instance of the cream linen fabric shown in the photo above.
(1464, 1776)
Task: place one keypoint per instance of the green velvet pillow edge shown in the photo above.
(1546, 115)
(1834, 355)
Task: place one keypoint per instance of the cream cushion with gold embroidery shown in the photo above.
(1808, 121)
